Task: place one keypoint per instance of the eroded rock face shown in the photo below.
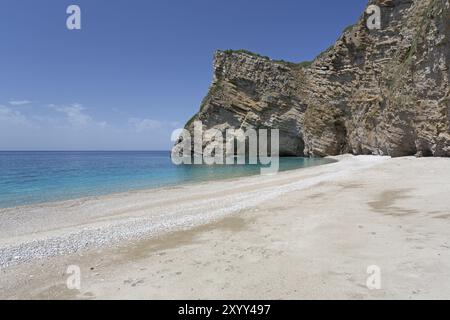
(382, 92)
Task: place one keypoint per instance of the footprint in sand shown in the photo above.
(134, 282)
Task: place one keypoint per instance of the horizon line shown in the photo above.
(85, 150)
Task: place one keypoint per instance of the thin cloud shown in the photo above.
(12, 116)
(19, 102)
(71, 126)
(141, 125)
(74, 113)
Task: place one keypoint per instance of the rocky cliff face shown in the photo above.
(383, 92)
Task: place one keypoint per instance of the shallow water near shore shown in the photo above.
(37, 177)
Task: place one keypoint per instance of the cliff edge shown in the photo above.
(383, 92)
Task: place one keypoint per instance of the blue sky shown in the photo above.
(137, 69)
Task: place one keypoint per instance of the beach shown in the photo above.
(310, 233)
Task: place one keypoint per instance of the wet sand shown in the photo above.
(305, 234)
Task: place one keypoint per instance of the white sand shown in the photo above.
(309, 233)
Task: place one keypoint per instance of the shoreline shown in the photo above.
(175, 185)
(308, 233)
(110, 219)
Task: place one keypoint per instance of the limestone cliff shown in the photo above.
(382, 92)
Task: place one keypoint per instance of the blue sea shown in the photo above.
(36, 177)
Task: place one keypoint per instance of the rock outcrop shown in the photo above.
(383, 92)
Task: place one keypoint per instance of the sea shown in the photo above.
(32, 177)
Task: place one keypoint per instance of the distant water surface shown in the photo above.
(36, 177)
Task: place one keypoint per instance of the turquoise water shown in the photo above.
(35, 177)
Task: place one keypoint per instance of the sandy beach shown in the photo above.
(303, 234)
